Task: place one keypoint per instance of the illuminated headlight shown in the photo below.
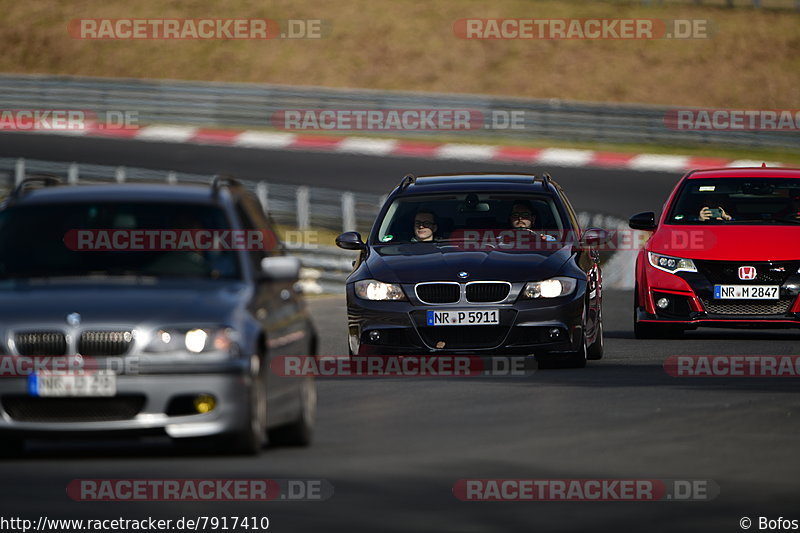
(194, 340)
(671, 264)
(370, 289)
(549, 288)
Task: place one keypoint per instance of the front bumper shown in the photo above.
(691, 302)
(524, 327)
(144, 404)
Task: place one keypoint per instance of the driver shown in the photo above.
(522, 217)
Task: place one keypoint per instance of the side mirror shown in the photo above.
(644, 221)
(594, 237)
(280, 268)
(350, 240)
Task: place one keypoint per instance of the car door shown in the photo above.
(279, 307)
(589, 261)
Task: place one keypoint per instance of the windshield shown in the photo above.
(452, 217)
(34, 241)
(764, 201)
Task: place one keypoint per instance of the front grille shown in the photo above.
(770, 307)
(487, 292)
(40, 343)
(774, 273)
(104, 342)
(438, 293)
(34, 409)
(463, 337)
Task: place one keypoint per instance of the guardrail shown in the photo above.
(325, 267)
(251, 105)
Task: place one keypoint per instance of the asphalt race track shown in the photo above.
(393, 448)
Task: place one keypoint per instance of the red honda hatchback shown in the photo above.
(725, 253)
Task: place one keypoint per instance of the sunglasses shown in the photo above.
(521, 214)
(424, 224)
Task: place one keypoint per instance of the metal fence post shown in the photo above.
(19, 171)
(119, 175)
(262, 192)
(348, 212)
(72, 174)
(303, 215)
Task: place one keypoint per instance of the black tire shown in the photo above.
(301, 431)
(578, 359)
(250, 440)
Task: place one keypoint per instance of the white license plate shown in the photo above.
(464, 318)
(746, 292)
(99, 383)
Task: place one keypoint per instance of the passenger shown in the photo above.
(425, 226)
(718, 213)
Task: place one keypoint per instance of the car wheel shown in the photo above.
(595, 351)
(250, 440)
(578, 359)
(299, 432)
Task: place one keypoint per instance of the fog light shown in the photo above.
(662, 303)
(554, 333)
(204, 403)
(374, 335)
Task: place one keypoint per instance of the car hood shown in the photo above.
(421, 262)
(728, 243)
(117, 303)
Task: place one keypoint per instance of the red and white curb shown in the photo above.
(431, 150)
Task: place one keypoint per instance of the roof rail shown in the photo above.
(223, 180)
(44, 180)
(408, 179)
(544, 178)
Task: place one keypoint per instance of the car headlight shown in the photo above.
(370, 289)
(671, 264)
(194, 340)
(549, 288)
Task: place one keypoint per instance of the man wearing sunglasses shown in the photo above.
(522, 216)
(424, 226)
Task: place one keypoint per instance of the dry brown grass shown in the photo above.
(752, 61)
